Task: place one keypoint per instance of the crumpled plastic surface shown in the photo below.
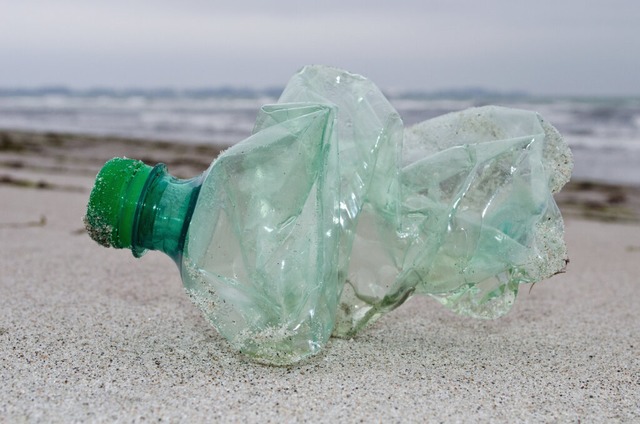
(332, 214)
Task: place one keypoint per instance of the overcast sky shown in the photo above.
(578, 47)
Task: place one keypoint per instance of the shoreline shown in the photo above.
(94, 334)
(40, 159)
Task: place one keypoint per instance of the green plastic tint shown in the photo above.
(332, 214)
(114, 200)
(140, 207)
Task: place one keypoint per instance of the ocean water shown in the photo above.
(604, 133)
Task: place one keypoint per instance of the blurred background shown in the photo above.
(197, 71)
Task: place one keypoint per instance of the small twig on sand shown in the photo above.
(40, 223)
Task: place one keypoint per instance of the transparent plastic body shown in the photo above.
(262, 244)
(332, 214)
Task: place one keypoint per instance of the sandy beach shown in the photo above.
(89, 334)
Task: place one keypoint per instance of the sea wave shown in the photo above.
(603, 132)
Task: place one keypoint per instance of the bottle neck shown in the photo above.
(163, 213)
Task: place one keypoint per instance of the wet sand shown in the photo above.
(92, 334)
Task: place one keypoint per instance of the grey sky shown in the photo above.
(544, 47)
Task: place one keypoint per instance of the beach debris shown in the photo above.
(332, 214)
(600, 201)
(40, 184)
(26, 224)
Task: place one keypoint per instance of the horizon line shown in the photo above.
(275, 91)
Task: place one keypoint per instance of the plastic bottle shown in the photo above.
(329, 215)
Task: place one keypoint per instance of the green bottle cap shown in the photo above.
(114, 200)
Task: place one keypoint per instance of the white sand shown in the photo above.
(92, 334)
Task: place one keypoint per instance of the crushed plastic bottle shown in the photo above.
(332, 214)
